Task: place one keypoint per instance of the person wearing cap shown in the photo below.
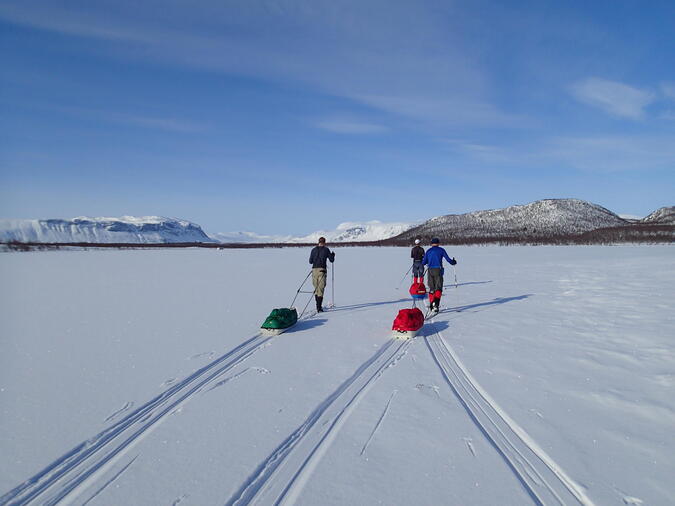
(417, 254)
(320, 253)
(433, 259)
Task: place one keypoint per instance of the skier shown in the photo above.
(417, 254)
(433, 258)
(320, 253)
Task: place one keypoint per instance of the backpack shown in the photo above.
(408, 319)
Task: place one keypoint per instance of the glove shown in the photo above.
(453, 261)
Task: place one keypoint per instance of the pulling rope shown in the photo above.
(404, 276)
(299, 289)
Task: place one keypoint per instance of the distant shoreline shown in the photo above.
(630, 234)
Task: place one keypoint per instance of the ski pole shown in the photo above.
(404, 276)
(455, 273)
(303, 284)
(332, 284)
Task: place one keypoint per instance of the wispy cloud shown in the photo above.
(668, 90)
(614, 98)
(171, 124)
(607, 154)
(409, 61)
(140, 120)
(445, 110)
(347, 126)
(614, 153)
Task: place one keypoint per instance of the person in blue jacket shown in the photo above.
(433, 259)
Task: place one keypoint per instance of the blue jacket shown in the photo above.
(434, 258)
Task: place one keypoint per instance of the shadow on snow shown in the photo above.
(452, 285)
(367, 304)
(431, 327)
(306, 325)
(497, 300)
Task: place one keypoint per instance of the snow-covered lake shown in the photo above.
(139, 377)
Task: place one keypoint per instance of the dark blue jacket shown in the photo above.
(434, 258)
(417, 253)
(319, 255)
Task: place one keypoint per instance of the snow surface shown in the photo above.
(548, 378)
(345, 232)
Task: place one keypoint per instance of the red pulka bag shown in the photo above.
(418, 290)
(408, 319)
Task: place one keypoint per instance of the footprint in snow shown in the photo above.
(207, 354)
(632, 500)
(168, 382)
(179, 500)
(259, 370)
(432, 388)
(537, 413)
(469, 445)
(115, 414)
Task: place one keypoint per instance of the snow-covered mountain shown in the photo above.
(663, 216)
(358, 232)
(249, 237)
(345, 232)
(127, 229)
(543, 218)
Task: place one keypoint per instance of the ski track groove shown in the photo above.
(379, 422)
(107, 483)
(280, 478)
(77, 469)
(543, 479)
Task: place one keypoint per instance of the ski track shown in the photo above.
(543, 479)
(107, 483)
(280, 478)
(379, 422)
(259, 370)
(66, 477)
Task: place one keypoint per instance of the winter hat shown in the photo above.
(417, 241)
(435, 240)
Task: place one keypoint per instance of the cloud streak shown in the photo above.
(403, 59)
(614, 98)
(170, 124)
(603, 154)
(346, 126)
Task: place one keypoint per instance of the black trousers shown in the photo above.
(435, 279)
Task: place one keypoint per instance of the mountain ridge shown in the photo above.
(542, 221)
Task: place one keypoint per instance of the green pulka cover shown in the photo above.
(281, 318)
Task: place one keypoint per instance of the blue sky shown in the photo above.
(292, 116)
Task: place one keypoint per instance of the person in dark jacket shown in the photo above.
(320, 253)
(433, 258)
(417, 254)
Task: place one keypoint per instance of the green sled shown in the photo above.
(281, 318)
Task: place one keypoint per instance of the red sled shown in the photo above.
(407, 323)
(418, 290)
